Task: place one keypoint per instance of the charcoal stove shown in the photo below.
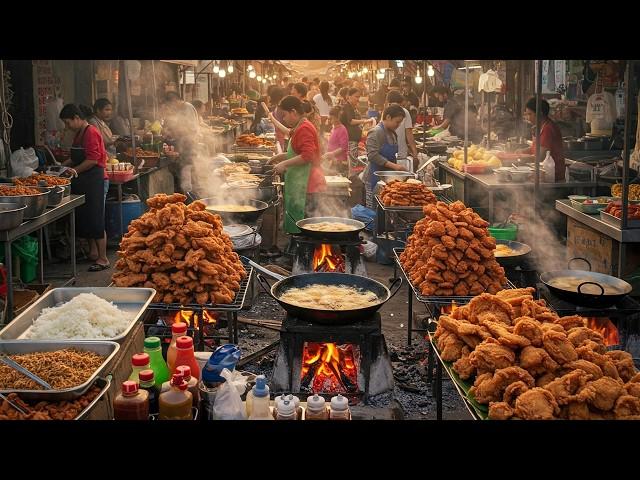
(324, 255)
(329, 359)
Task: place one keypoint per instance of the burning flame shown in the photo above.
(186, 315)
(605, 327)
(449, 309)
(328, 259)
(327, 367)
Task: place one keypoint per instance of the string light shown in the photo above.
(365, 70)
(382, 70)
(222, 73)
(400, 63)
(264, 80)
(216, 68)
(259, 78)
(430, 71)
(230, 68)
(249, 67)
(418, 78)
(252, 74)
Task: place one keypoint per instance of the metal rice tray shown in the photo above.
(132, 301)
(103, 348)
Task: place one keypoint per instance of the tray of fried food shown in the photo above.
(140, 153)
(450, 253)
(35, 179)
(182, 252)
(411, 193)
(518, 359)
(234, 168)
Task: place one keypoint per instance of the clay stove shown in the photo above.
(318, 255)
(329, 359)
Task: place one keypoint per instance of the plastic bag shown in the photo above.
(24, 162)
(370, 250)
(228, 404)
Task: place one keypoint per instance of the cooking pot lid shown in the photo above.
(236, 230)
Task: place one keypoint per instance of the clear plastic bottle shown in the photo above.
(176, 403)
(549, 166)
(153, 347)
(139, 362)
(316, 408)
(186, 356)
(148, 383)
(178, 329)
(339, 409)
(249, 397)
(185, 371)
(286, 410)
(131, 403)
(260, 400)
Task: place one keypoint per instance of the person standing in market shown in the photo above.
(382, 148)
(102, 113)
(87, 162)
(453, 116)
(303, 176)
(324, 101)
(338, 146)
(299, 90)
(406, 142)
(350, 118)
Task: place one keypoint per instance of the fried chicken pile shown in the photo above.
(406, 194)
(182, 252)
(451, 253)
(531, 364)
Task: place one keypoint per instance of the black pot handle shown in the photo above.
(579, 258)
(397, 283)
(590, 283)
(264, 283)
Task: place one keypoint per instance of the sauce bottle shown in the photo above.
(139, 362)
(152, 347)
(176, 403)
(131, 403)
(339, 409)
(286, 410)
(316, 408)
(178, 329)
(186, 356)
(148, 383)
(260, 400)
(185, 371)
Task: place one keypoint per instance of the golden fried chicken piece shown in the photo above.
(485, 304)
(545, 379)
(515, 296)
(463, 366)
(546, 327)
(513, 391)
(591, 368)
(559, 347)
(627, 406)
(211, 245)
(160, 200)
(191, 259)
(490, 356)
(606, 392)
(197, 206)
(537, 361)
(500, 411)
(578, 336)
(623, 362)
(162, 280)
(202, 297)
(489, 388)
(605, 363)
(128, 280)
(197, 229)
(633, 388)
(504, 336)
(450, 347)
(179, 277)
(536, 404)
(538, 310)
(569, 388)
(159, 238)
(211, 218)
(527, 327)
(576, 411)
(572, 321)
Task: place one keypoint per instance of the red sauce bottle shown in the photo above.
(131, 403)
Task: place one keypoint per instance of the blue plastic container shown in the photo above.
(131, 209)
(225, 356)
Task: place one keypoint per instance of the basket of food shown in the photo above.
(590, 206)
(150, 158)
(120, 172)
(43, 180)
(633, 192)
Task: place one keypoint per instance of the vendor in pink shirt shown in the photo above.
(338, 146)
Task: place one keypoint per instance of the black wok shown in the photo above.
(334, 317)
(520, 252)
(250, 217)
(350, 235)
(597, 280)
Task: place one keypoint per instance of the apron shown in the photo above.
(388, 151)
(296, 180)
(90, 215)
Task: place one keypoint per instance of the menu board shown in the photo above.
(44, 86)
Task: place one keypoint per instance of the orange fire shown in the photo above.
(328, 259)
(186, 316)
(449, 309)
(606, 328)
(329, 368)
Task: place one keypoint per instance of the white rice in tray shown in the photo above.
(84, 316)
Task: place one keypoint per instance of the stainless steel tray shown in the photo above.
(104, 384)
(104, 348)
(133, 301)
(617, 222)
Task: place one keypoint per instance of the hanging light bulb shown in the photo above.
(259, 78)
(249, 67)
(352, 74)
(252, 74)
(400, 63)
(230, 68)
(418, 78)
(430, 71)
(264, 80)
(382, 70)
(379, 76)
(365, 70)
(216, 68)
(222, 73)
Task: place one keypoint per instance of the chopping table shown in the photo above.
(66, 208)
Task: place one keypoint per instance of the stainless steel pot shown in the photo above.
(11, 215)
(56, 194)
(36, 204)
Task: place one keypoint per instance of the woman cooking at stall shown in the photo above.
(303, 176)
(87, 162)
(382, 147)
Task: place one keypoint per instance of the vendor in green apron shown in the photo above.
(303, 176)
(87, 162)
(382, 147)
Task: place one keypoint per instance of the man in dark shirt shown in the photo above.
(454, 116)
(409, 94)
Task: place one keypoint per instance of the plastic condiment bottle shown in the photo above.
(148, 383)
(178, 329)
(249, 397)
(152, 347)
(176, 403)
(139, 362)
(549, 166)
(260, 400)
(186, 356)
(339, 408)
(131, 403)
(286, 410)
(185, 371)
(316, 408)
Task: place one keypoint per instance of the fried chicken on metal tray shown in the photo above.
(606, 392)
(486, 305)
(627, 407)
(537, 361)
(536, 404)
(492, 356)
(559, 347)
(568, 388)
(500, 411)
(530, 329)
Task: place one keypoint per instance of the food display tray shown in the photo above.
(132, 301)
(103, 348)
(103, 384)
(617, 222)
(418, 208)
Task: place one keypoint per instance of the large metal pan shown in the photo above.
(593, 279)
(36, 204)
(330, 317)
(520, 252)
(250, 217)
(358, 226)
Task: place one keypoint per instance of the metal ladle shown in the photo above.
(4, 358)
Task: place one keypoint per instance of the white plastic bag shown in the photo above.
(228, 404)
(370, 250)
(24, 162)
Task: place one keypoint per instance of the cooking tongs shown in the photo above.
(14, 405)
(4, 358)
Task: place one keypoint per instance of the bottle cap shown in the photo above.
(152, 342)
(184, 342)
(176, 379)
(146, 376)
(261, 389)
(185, 371)
(179, 328)
(129, 387)
(285, 407)
(339, 403)
(140, 359)
(315, 402)
(292, 398)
